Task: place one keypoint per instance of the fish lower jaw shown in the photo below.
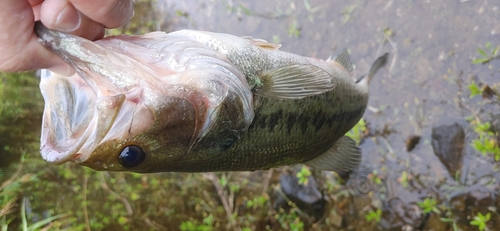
(71, 149)
(52, 155)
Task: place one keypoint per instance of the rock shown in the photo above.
(411, 142)
(434, 222)
(448, 144)
(307, 197)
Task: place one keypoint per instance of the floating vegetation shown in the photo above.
(487, 54)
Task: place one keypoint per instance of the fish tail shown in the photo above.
(380, 62)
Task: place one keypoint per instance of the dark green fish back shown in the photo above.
(283, 132)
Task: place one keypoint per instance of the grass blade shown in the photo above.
(481, 51)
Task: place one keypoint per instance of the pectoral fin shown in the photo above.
(343, 156)
(294, 82)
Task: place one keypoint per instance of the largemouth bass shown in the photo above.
(196, 101)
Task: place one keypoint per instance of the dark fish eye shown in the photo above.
(131, 156)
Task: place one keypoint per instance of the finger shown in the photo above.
(63, 16)
(19, 48)
(110, 13)
(35, 5)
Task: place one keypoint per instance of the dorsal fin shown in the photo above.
(263, 43)
(343, 59)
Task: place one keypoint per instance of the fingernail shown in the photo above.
(68, 20)
(63, 69)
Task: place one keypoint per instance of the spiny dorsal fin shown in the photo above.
(343, 156)
(294, 82)
(343, 59)
(263, 43)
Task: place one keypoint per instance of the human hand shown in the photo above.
(19, 48)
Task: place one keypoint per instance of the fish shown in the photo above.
(198, 101)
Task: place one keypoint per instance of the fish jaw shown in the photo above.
(102, 101)
(76, 120)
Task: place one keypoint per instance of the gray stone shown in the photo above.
(307, 197)
(448, 144)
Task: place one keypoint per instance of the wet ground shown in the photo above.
(425, 86)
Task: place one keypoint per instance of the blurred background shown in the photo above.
(430, 136)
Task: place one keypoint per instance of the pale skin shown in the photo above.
(19, 48)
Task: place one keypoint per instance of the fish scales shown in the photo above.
(243, 53)
(195, 101)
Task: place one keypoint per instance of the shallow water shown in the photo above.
(432, 44)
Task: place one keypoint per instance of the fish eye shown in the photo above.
(131, 156)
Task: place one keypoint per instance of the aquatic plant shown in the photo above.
(486, 142)
(487, 55)
(290, 220)
(374, 215)
(358, 132)
(375, 176)
(303, 175)
(474, 89)
(480, 221)
(206, 225)
(452, 221)
(428, 205)
(10, 193)
(294, 29)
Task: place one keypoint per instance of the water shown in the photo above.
(432, 44)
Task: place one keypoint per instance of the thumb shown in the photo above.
(63, 16)
(19, 47)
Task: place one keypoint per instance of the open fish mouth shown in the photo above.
(67, 118)
(75, 119)
(88, 108)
